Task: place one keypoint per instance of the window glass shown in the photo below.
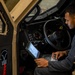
(44, 6)
(47, 4)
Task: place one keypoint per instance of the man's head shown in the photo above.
(70, 16)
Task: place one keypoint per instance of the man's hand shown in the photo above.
(58, 54)
(41, 62)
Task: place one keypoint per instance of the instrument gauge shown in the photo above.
(37, 35)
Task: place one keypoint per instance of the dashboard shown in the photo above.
(36, 34)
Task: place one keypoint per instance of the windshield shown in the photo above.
(47, 4)
(44, 6)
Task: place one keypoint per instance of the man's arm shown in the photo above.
(65, 64)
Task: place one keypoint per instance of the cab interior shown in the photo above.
(43, 27)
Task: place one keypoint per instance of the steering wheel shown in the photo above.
(56, 34)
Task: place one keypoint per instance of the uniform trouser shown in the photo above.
(45, 71)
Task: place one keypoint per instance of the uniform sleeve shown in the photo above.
(65, 64)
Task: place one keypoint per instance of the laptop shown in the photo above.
(35, 53)
(32, 50)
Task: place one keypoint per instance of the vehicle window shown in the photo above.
(47, 4)
(44, 6)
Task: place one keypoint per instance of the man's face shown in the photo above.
(70, 20)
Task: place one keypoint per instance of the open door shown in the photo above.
(9, 20)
